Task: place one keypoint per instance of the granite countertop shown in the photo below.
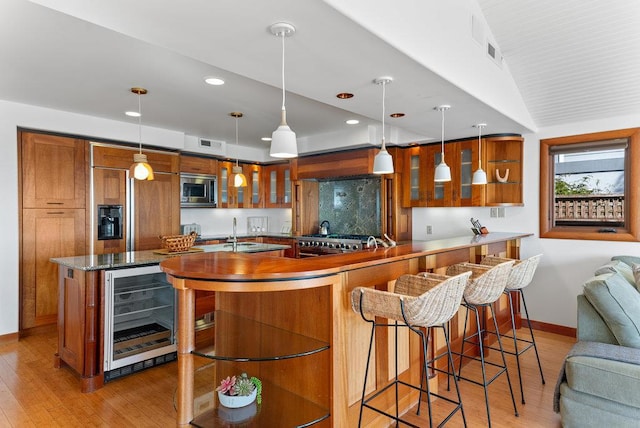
(202, 238)
(149, 257)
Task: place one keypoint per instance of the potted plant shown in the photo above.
(239, 391)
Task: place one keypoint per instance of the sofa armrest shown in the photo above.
(591, 326)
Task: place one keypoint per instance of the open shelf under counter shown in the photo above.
(242, 339)
(277, 404)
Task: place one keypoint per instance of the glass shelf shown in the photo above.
(289, 410)
(242, 339)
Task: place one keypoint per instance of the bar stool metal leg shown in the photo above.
(516, 340)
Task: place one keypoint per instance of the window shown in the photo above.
(589, 186)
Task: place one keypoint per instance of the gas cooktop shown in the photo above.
(338, 236)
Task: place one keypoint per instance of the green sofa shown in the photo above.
(599, 384)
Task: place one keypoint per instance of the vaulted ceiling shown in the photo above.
(556, 62)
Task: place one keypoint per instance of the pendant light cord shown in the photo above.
(139, 123)
(384, 84)
(479, 146)
(442, 136)
(283, 91)
(236, 137)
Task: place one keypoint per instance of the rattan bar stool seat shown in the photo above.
(486, 285)
(521, 276)
(418, 301)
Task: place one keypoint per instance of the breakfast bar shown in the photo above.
(289, 322)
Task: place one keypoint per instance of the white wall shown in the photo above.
(566, 264)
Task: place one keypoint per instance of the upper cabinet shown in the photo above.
(420, 190)
(499, 155)
(249, 196)
(504, 170)
(53, 171)
(198, 165)
(109, 156)
(277, 180)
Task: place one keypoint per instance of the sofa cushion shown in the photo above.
(620, 267)
(627, 259)
(604, 378)
(618, 303)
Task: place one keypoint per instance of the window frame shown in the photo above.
(631, 231)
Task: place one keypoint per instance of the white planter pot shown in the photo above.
(235, 401)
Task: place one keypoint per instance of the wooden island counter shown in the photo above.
(290, 323)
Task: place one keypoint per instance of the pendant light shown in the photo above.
(140, 170)
(443, 172)
(239, 180)
(479, 176)
(383, 163)
(283, 139)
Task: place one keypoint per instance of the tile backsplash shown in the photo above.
(351, 206)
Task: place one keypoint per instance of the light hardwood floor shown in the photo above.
(34, 394)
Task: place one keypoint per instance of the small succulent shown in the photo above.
(241, 385)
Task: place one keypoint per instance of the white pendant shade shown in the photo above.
(443, 173)
(479, 177)
(283, 141)
(383, 163)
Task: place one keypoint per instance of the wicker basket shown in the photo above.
(178, 243)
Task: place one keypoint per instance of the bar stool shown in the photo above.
(520, 276)
(485, 286)
(419, 301)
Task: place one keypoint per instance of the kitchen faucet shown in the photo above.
(234, 236)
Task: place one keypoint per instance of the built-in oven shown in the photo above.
(198, 190)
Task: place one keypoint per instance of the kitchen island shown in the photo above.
(82, 301)
(299, 334)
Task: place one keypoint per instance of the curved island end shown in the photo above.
(289, 322)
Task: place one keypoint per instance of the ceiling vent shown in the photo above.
(211, 144)
(494, 54)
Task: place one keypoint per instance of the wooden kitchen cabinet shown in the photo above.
(230, 196)
(46, 233)
(110, 156)
(53, 171)
(306, 198)
(277, 185)
(198, 165)
(156, 211)
(462, 157)
(416, 176)
(53, 189)
(504, 160)
(79, 325)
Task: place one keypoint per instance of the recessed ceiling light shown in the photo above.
(344, 95)
(215, 81)
(266, 138)
(352, 122)
(396, 115)
(132, 113)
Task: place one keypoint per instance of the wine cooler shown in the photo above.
(139, 320)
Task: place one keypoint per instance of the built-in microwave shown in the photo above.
(198, 190)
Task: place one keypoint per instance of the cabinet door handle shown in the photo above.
(55, 203)
(55, 212)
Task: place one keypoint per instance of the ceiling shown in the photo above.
(569, 61)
